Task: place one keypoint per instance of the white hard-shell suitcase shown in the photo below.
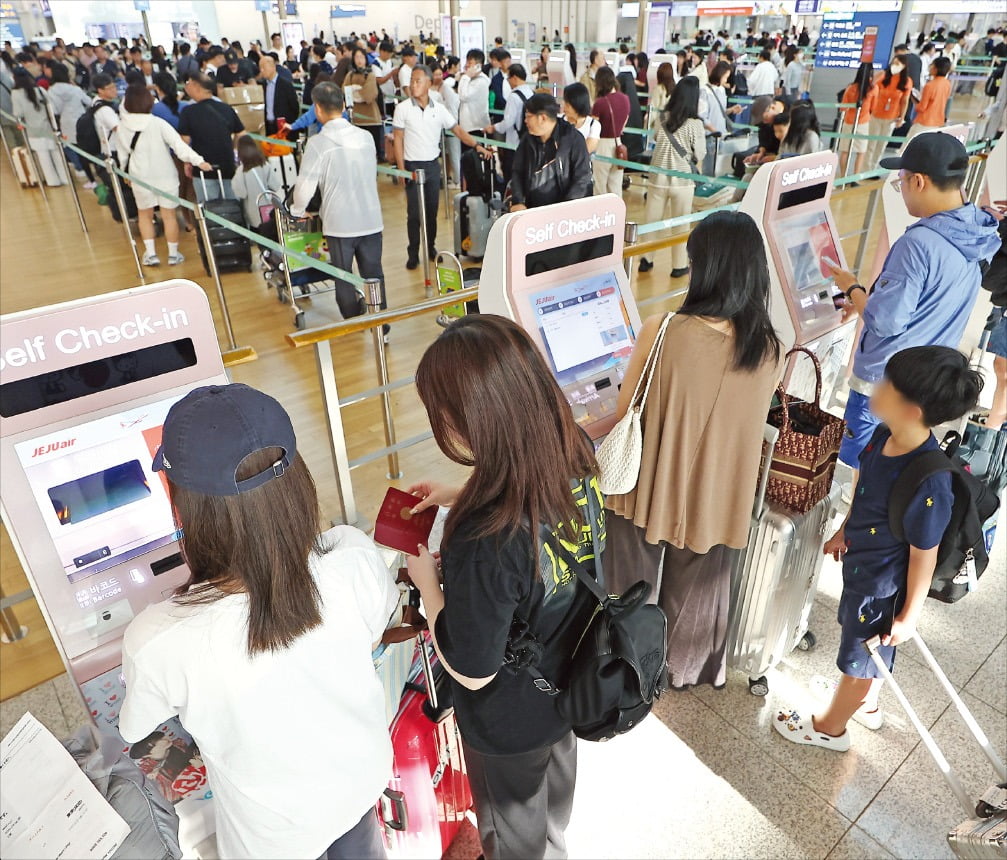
(473, 219)
(774, 581)
(984, 832)
(284, 168)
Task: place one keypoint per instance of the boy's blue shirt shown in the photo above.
(927, 287)
(876, 563)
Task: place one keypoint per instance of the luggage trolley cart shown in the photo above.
(450, 277)
(304, 235)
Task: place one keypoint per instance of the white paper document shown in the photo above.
(48, 807)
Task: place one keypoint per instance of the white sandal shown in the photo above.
(791, 725)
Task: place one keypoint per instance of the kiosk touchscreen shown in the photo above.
(558, 271)
(789, 199)
(85, 388)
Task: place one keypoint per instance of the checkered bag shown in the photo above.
(804, 460)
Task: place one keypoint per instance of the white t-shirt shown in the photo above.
(295, 741)
(384, 67)
(421, 128)
(590, 128)
(405, 76)
(106, 120)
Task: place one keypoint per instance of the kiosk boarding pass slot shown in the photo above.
(85, 388)
(558, 272)
(789, 199)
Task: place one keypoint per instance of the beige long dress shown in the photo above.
(692, 506)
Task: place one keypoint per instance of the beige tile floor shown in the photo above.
(706, 776)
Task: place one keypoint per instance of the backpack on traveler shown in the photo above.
(87, 130)
(606, 664)
(962, 556)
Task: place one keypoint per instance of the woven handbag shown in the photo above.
(620, 454)
(804, 461)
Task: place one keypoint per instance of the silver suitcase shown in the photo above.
(984, 832)
(774, 581)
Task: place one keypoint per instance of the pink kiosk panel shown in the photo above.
(789, 199)
(558, 271)
(84, 391)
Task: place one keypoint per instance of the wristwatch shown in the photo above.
(849, 293)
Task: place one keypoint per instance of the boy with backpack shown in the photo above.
(887, 575)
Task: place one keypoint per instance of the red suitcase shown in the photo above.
(426, 801)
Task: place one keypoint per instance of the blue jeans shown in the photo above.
(860, 426)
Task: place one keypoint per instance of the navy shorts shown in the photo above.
(860, 426)
(998, 338)
(860, 618)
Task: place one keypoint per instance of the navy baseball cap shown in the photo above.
(934, 154)
(212, 429)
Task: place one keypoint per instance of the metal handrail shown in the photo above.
(321, 334)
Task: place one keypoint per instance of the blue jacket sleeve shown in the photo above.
(304, 120)
(896, 294)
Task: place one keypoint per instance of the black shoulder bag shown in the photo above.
(617, 667)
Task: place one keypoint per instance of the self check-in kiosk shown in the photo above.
(789, 200)
(558, 271)
(84, 389)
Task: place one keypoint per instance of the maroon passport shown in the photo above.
(396, 527)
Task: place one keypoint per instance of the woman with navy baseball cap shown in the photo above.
(265, 653)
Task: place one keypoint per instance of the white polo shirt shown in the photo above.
(422, 128)
(295, 741)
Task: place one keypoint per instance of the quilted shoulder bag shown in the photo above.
(620, 454)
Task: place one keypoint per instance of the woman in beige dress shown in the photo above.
(702, 424)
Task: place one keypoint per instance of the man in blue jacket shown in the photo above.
(930, 279)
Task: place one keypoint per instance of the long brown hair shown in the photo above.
(256, 542)
(494, 405)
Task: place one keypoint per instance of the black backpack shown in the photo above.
(87, 130)
(962, 556)
(606, 664)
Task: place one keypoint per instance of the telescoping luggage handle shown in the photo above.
(928, 740)
(220, 180)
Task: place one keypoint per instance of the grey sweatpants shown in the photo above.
(523, 802)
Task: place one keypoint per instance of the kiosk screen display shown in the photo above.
(807, 240)
(95, 490)
(584, 325)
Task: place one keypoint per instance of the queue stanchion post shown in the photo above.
(211, 262)
(420, 178)
(872, 208)
(120, 200)
(630, 238)
(444, 175)
(34, 160)
(372, 288)
(11, 630)
(856, 125)
(69, 175)
(10, 157)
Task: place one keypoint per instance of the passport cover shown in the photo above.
(397, 528)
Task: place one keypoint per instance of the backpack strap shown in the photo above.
(524, 101)
(925, 466)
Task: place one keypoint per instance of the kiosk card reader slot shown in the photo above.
(558, 271)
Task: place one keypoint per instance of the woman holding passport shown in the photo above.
(521, 755)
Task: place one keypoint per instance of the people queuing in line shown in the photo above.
(481, 99)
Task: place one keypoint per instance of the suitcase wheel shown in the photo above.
(758, 686)
(808, 641)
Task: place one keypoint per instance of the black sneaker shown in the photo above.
(412, 263)
(680, 273)
(645, 264)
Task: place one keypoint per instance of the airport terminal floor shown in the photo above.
(705, 775)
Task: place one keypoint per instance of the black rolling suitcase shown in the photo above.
(230, 250)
